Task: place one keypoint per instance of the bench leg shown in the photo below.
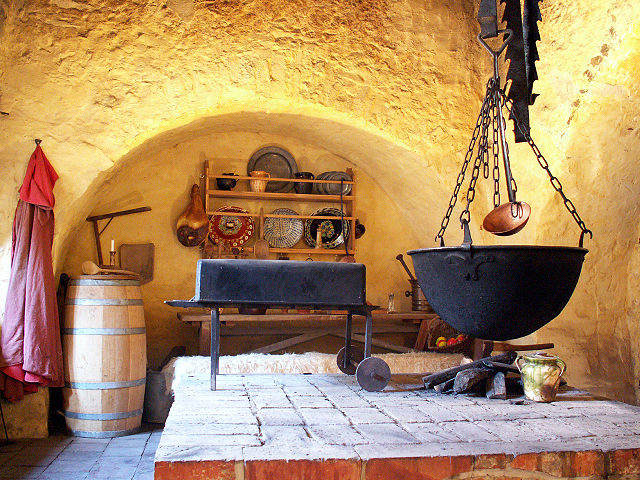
(215, 345)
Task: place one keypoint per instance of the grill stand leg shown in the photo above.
(347, 341)
(215, 345)
(368, 334)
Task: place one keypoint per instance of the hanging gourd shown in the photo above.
(193, 225)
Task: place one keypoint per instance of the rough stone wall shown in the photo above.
(588, 121)
(393, 87)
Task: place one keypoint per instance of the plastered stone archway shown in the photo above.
(159, 174)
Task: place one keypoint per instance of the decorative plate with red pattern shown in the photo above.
(232, 230)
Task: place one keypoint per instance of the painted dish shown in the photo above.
(283, 232)
(333, 231)
(278, 163)
(230, 229)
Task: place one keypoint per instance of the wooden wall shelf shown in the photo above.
(214, 199)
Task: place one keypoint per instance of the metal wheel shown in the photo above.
(373, 374)
(357, 355)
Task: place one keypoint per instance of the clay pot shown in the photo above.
(304, 187)
(541, 374)
(226, 183)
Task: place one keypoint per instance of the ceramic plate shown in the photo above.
(229, 229)
(278, 162)
(332, 230)
(333, 188)
(283, 232)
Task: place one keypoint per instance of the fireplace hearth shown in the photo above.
(326, 426)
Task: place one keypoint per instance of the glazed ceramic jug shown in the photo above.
(541, 374)
(258, 185)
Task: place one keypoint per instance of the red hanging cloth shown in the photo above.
(30, 348)
(37, 187)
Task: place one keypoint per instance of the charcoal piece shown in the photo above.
(496, 386)
(467, 380)
(514, 385)
(445, 387)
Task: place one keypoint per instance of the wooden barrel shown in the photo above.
(105, 356)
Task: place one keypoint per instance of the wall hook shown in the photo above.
(38, 141)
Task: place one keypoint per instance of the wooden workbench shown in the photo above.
(232, 325)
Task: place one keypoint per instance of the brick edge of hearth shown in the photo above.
(593, 464)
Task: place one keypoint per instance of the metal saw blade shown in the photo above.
(522, 54)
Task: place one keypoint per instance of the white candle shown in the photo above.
(113, 246)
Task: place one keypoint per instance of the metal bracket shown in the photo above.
(488, 18)
(468, 241)
(471, 263)
(97, 232)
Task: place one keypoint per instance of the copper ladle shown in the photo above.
(507, 219)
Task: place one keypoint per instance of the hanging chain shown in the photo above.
(555, 182)
(482, 158)
(465, 164)
(484, 140)
(465, 216)
(500, 94)
(496, 158)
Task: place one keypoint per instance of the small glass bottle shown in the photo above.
(112, 254)
(391, 307)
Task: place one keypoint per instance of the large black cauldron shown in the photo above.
(498, 292)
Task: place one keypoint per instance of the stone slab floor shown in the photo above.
(62, 457)
(325, 427)
(317, 427)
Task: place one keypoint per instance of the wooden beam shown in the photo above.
(379, 343)
(117, 214)
(240, 331)
(274, 347)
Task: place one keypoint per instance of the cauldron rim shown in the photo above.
(499, 247)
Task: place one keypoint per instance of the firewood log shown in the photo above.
(444, 375)
(501, 367)
(496, 386)
(467, 380)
